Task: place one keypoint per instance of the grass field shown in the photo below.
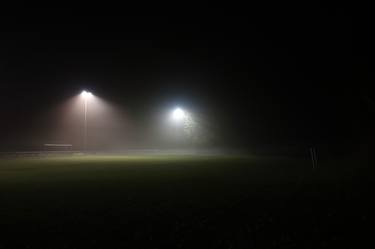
(181, 202)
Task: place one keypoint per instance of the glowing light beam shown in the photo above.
(178, 114)
(86, 94)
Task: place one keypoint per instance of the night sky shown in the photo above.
(282, 75)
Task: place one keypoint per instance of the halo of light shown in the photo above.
(86, 94)
(178, 114)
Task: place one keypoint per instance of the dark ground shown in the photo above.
(183, 202)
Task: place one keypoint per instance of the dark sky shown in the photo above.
(266, 75)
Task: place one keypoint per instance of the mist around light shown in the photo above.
(117, 128)
(108, 127)
(180, 127)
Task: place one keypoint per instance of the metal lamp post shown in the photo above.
(86, 95)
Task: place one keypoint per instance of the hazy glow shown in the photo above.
(108, 125)
(178, 114)
(86, 94)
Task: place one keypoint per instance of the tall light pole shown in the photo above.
(85, 95)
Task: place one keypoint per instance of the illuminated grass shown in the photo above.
(122, 198)
(84, 166)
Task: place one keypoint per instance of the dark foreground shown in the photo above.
(183, 202)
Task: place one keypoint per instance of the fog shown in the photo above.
(112, 127)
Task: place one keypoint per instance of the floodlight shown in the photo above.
(86, 94)
(178, 114)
